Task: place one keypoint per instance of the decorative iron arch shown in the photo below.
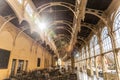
(93, 13)
(64, 4)
(68, 23)
(59, 28)
(64, 36)
(82, 40)
(14, 42)
(11, 17)
(90, 26)
(23, 23)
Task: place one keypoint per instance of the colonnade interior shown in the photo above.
(59, 39)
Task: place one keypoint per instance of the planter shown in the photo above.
(110, 76)
(89, 72)
(81, 69)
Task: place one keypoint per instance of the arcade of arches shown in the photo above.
(59, 39)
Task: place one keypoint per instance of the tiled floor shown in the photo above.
(84, 76)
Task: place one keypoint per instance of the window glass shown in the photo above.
(94, 46)
(20, 1)
(83, 53)
(106, 41)
(29, 10)
(116, 30)
(91, 47)
(87, 53)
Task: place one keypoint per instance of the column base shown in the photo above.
(81, 69)
(89, 72)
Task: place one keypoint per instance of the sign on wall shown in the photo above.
(4, 58)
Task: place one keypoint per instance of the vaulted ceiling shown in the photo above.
(61, 20)
(58, 13)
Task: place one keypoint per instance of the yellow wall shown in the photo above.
(21, 50)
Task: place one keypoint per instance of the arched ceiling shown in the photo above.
(56, 13)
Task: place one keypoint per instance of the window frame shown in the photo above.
(116, 29)
(106, 40)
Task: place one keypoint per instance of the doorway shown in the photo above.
(13, 66)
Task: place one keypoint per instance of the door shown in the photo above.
(20, 66)
(13, 66)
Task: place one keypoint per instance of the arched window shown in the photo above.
(106, 41)
(116, 29)
(29, 10)
(95, 48)
(96, 45)
(87, 53)
(80, 55)
(83, 53)
(91, 47)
